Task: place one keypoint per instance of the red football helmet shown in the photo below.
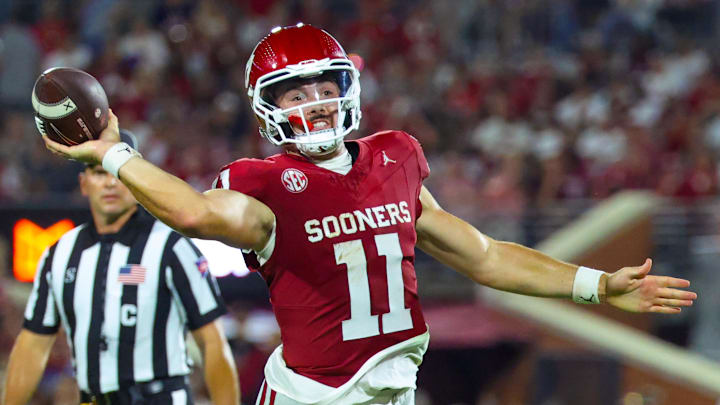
(302, 52)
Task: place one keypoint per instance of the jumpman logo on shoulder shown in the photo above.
(386, 159)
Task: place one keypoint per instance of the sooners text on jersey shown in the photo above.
(341, 276)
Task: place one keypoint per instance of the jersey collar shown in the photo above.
(362, 161)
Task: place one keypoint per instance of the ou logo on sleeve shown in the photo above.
(294, 180)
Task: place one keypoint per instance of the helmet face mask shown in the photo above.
(268, 78)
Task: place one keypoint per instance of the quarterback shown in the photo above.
(332, 226)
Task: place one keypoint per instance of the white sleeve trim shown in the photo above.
(266, 252)
(225, 178)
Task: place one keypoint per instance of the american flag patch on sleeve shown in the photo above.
(202, 265)
(132, 274)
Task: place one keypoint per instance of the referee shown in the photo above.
(126, 288)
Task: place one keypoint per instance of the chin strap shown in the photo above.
(314, 151)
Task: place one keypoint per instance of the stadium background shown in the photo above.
(531, 113)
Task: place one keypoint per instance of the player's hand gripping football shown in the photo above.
(90, 152)
(633, 289)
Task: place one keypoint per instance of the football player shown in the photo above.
(332, 225)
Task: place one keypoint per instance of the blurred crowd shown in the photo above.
(519, 104)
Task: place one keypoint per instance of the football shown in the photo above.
(70, 105)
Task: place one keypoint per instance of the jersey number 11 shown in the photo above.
(362, 323)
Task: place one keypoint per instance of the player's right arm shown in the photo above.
(225, 215)
(28, 359)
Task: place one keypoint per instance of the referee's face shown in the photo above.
(108, 197)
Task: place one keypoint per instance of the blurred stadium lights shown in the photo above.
(30, 241)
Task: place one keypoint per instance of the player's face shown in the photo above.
(108, 197)
(322, 116)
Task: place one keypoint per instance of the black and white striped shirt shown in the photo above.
(124, 324)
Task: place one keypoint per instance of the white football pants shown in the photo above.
(268, 396)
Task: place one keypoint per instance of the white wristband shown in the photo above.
(117, 156)
(585, 286)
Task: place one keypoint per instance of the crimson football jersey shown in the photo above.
(341, 276)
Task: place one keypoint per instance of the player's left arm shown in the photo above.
(515, 268)
(220, 373)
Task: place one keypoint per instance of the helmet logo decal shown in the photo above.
(294, 180)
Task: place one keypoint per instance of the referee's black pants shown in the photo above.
(169, 391)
